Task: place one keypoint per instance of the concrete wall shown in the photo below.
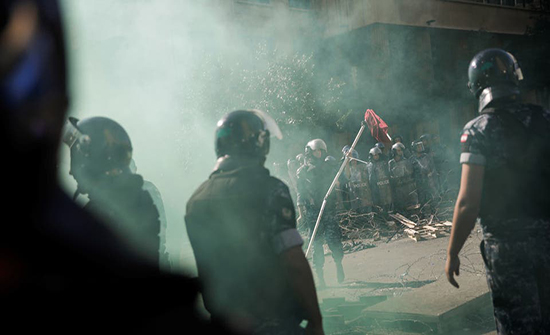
(344, 15)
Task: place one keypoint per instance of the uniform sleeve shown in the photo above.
(471, 148)
(282, 218)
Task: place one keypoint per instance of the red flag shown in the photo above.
(378, 128)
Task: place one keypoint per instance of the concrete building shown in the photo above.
(408, 59)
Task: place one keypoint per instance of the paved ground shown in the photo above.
(411, 275)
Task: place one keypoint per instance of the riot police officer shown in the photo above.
(242, 228)
(382, 148)
(426, 140)
(379, 179)
(505, 183)
(425, 174)
(356, 181)
(402, 179)
(101, 153)
(314, 180)
(399, 139)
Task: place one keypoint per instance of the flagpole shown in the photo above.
(346, 160)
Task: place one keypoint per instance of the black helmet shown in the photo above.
(245, 132)
(380, 146)
(354, 154)
(345, 149)
(98, 146)
(493, 68)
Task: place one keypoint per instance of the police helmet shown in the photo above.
(245, 132)
(316, 144)
(375, 151)
(398, 146)
(98, 146)
(345, 149)
(426, 137)
(493, 67)
(419, 145)
(380, 145)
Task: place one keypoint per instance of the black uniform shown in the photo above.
(129, 209)
(512, 142)
(239, 222)
(314, 180)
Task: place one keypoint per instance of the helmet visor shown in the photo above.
(270, 123)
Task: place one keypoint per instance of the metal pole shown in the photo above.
(346, 160)
(358, 160)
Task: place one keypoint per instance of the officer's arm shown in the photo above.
(301, 279)
(287, 243)
(465, 215)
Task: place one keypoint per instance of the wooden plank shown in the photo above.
(404, 219)
(411, 231)
(403, 222)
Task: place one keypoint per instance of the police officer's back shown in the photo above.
(240, 222)
(505, 180)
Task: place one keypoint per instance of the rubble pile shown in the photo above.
(424, 229)
(422, 223)
(365, 226)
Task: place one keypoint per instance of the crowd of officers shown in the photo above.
(395, 180)
(401, 183)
